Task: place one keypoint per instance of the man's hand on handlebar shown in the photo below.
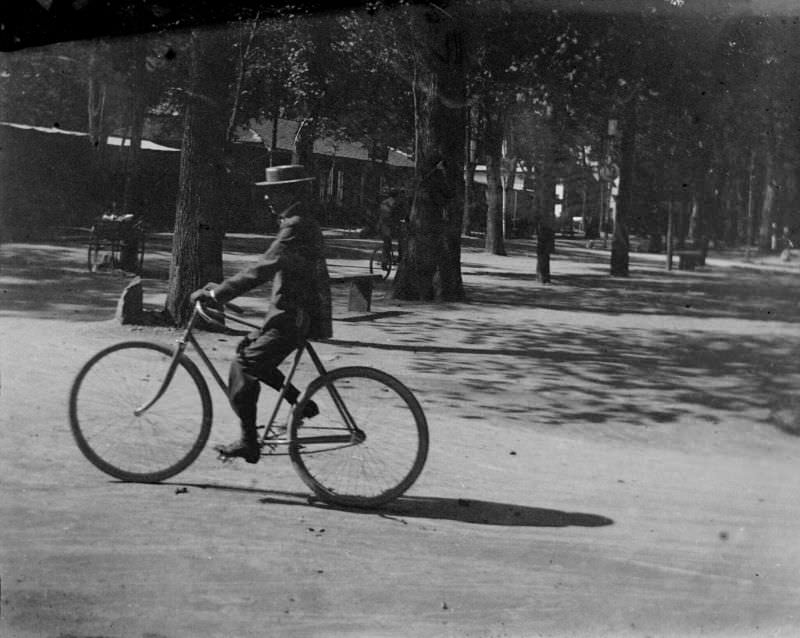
(205, 295)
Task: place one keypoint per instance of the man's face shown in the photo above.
(280, 198)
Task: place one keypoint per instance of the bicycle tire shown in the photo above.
(363, 473)
(377, 258)
(152, 447)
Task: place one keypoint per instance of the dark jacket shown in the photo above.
(295, 262)
(386, 217)
(546, 240)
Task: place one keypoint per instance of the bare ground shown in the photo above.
(609, 457)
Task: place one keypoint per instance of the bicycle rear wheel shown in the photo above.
(372, 465)
(153, 446)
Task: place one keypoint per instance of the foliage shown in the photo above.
(341, 70)
(45, 87)
(714, 88)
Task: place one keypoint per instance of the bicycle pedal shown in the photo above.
(225, 458)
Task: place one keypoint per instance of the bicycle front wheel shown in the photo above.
(367, 445)
(148, 447)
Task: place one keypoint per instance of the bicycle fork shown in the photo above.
(173, 364)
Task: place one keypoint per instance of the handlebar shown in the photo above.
(218, 315)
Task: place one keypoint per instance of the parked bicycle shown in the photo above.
(381, 262)
(117, 241)
(142, 412)
(384, 257)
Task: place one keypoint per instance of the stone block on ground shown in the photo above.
(129, 307)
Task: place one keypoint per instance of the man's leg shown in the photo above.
(243, 391)
(257, 361)
(387, 251)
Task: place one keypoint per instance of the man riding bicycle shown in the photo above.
(299, 306)
(390, 215)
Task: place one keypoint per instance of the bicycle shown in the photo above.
(142, 412)
(116, 241)
(380, 260)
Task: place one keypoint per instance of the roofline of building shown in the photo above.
(111, 140)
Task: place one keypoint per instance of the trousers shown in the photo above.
(258, 356)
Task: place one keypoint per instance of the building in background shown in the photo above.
(51, 178)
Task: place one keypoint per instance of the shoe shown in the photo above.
(277, 433)
(250, 451)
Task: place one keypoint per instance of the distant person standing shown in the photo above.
(389, 216)
(545, 246)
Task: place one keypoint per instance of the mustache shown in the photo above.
(274, 211)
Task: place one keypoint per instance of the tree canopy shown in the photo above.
(703, 93)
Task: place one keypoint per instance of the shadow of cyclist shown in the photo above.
(463, 510)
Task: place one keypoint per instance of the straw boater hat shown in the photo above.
(287, 174)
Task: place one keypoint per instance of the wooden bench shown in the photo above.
(690, 259)
(360, 295)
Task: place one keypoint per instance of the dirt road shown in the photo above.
(604, 462)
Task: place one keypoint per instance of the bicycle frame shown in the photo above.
(355, 433)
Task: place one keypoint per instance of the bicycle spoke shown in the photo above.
(154, 445)
(382, 465)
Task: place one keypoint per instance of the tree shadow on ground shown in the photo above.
(475, 512)
(624, 354)
(373, 316)
(54, 281)
(592, 364)
(740, 294)
(554, 375)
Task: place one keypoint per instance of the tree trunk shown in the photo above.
(96, 106)
(243, 49)
(431, 265)
(97, 120)
(137, 111)
(766, 216)
(469, 174)
(510, 165)
(731, 206)
(469, 199)
(493, 139)
(545, 172)
(751, 176)
(200, 215)
(706, 198)
(620, 243)
(693, 232)
(273, 142)
(304, 144)
(767, 220)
